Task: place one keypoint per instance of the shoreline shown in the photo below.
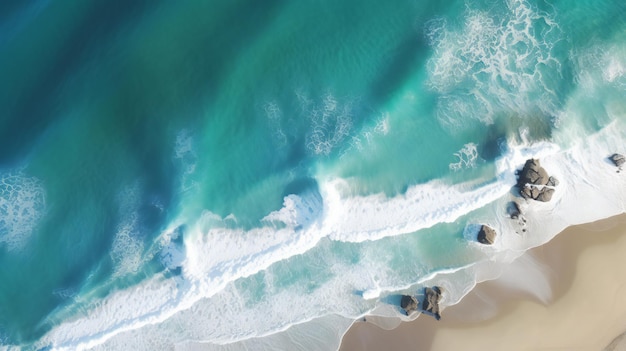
(497, 315)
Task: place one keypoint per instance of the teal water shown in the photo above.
(153, 143)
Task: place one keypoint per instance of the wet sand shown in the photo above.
(586, 268)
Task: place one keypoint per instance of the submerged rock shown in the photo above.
(432, 296)
(408, 304)
(513, 209)
(618, 159)
(486, 235)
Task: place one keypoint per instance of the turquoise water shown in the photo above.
(154, 143)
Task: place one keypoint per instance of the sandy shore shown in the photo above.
(586, 268)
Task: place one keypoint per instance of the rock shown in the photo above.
(534, 192)
(486, 235)
(534, 182)
(512, 208)
(432, 296)
(539, 194)
(545, 195)
(552, 181)
(532, 173)
(526, 193)
(408, 304)
(618, 159)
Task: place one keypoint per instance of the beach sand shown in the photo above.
(586, 268)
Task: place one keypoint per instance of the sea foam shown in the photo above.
(204, 296)
(496, 61)
(216, 258)
(208, 305)
(22, 205)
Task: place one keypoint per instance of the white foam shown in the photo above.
(382, 124)
(127, 248)
(361, 218)
(204, 304)
(185, 154)
(366, 139)
(22, 205)
(372, 217)
(327, 121)
(330, 123)
(197, 305)
(466, 157)
(274, 115)
(587, 181)
(498, 60)
(215, 256)
(297, 211)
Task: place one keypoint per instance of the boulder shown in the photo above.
(545, 195)
(526, 193)
(552, 181)
(486, 235)
(432, 296)
(533, 182)
(532, 173)
(408, 304)
(618, 159)
(534, 192)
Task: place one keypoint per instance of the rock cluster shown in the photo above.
(432, 296)
(618, 160)
(534, 182)
(486, 235)
(408, 304)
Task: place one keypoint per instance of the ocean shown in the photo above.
(245, 175)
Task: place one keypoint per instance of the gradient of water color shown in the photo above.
(238, 174)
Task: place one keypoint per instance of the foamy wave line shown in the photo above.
(221, 255)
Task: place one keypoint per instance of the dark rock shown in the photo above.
(526, 193)
(408, 304)
(533, 182)
(532, 173)
(552, 181)
(618, 159)
(432, 296)
(545, 195)
(512, 208)
(486, 235)
(534, 192)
